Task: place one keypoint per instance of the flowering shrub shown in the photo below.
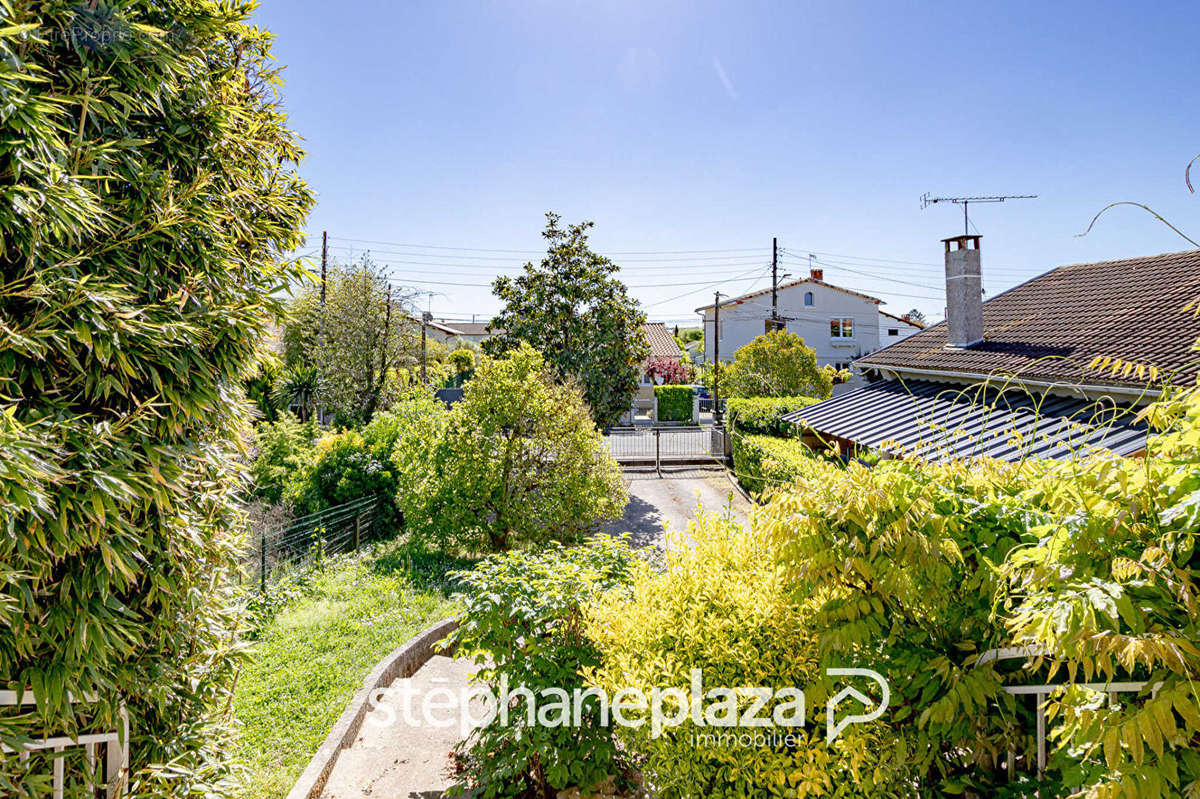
(669, 371)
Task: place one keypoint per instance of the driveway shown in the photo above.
(673, 500)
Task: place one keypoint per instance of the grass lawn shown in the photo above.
(313, 655)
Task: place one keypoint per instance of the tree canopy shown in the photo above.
(776, 364)
(516, 462)
(572, 308)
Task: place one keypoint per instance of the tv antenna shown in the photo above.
(927, 201)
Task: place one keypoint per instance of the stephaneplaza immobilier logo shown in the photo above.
(755, 708)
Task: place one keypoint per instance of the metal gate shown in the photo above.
(658, 446)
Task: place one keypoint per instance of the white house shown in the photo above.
(839, 324)
(896, 328)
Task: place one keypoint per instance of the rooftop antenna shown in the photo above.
(927, 201)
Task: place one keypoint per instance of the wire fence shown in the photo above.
(302, 541)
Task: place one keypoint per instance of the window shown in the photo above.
(841, 327)
(893, 331)
(808, 298)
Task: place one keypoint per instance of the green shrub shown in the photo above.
(724, 607)
(523, 623)
(775, 364)
(674, 403)
(148, 212)
(764, 464)
(516, 462)
(763, 415)
(285, 452)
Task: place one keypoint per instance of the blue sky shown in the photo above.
(695, 126)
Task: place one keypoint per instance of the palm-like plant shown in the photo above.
(298, 387)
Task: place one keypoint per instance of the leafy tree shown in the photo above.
(573, 308)
(297, 386)
(669, 371)
(283, 450)
(362, 336)
(462, 360)
(776, 364)
(516, 462)
(303, 320)
(915, 315)
(147, 205)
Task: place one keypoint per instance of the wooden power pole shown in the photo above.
(717, 358)
(324, 259)
(774, 283)
(425, 317)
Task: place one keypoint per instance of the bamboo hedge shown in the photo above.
(149, 198)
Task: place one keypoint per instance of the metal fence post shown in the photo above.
(357, 531)
(262, 562)
(658, 450)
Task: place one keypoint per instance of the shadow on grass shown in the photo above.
(425, 569)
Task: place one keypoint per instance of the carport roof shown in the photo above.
(938, 421)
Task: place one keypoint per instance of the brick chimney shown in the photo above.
(816, 274)
(964, 292)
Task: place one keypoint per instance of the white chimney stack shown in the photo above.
(964, 292)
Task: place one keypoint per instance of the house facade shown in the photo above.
(894, 329)
(1029, 373)
(839, 324)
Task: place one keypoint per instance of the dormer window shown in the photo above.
(808, 299)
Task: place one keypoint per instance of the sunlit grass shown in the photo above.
(311, 657)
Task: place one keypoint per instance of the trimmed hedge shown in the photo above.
(674, 403)
(764, 463)
(763, 415)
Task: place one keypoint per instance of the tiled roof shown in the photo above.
(1052, 327)
(662, 343)
(942, 421)
(782, 286)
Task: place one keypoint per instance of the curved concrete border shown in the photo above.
(402, 662)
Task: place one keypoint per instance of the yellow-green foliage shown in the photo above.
(725, 606)
(1112, 592)
(764, 464)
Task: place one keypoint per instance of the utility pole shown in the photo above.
(425, 317)
(717, 358)
(324, 258)
(774, 283)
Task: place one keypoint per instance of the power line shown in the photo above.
(706, 288)
(496, 249)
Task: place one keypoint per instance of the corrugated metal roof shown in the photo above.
(945, 421)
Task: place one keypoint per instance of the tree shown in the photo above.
(915, 315)
(669, 371)
(573, 309)
(297, 386)
(363, 335)
(148, 205)
(776, 364)
(516, 462)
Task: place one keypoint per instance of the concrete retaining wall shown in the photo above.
(402, 662)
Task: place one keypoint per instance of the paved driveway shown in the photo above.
(673, 499)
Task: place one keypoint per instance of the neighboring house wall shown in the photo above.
(742, 322)
(893, 329)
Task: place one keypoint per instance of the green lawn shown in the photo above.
(312, 656)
